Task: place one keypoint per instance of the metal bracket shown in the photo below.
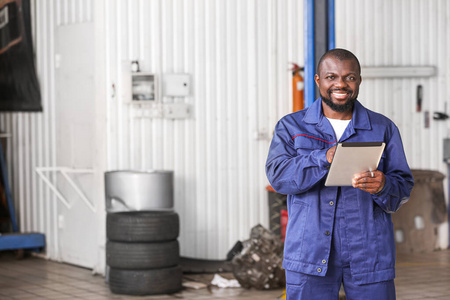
(64, 171)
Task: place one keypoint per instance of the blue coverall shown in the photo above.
(297, 166)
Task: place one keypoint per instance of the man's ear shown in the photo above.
(316, 79)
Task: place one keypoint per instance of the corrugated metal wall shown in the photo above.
(237, 53)
(404, 33)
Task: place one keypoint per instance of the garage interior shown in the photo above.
(190, 91)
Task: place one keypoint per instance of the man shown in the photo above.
(338, 234)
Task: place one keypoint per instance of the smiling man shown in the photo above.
(338, 235)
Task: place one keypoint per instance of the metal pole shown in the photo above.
(309, 52)
(331, 25)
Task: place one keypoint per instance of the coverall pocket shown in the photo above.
(298, 216)
(385, 239)
(307, 142)
(295, 283)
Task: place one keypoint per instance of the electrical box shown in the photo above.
(146, 92)
(176, 85)
(143, 87)
(447, 150)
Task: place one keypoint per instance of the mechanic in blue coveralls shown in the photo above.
(338, 234)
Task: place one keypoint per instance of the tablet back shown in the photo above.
(352, 158)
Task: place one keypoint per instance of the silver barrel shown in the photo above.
(139, 191)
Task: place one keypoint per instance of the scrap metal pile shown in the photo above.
(259, 264)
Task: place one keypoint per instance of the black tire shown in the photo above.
(145, 282)
(136, 226)
(140, 256)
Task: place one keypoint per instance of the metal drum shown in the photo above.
(139, 191)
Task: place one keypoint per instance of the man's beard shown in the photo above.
(347, 106)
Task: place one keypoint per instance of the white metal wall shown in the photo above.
(403, 33)
(237, 53)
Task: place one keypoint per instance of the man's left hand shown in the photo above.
(372, 181)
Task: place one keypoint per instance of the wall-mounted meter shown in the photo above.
(143, 87)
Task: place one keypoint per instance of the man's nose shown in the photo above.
(340, 82)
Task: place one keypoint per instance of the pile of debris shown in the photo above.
(259, 263)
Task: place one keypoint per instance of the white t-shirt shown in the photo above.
(339, 127)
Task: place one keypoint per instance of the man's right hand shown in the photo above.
(330, 154)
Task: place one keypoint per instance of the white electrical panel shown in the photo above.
(176, 85)
(143, 87)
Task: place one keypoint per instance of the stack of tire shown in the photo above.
(142, 252)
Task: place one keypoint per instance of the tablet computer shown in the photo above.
(352, 158)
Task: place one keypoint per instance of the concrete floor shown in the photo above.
(419, 276)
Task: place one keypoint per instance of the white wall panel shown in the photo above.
(237, 53)
(403, 33)
(72, 11)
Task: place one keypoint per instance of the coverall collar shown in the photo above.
(360, 118)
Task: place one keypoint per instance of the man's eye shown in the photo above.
(329, 77)
(352, 78)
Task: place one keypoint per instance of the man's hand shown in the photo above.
(372, 182)
(330, 154)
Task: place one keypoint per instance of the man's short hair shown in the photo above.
(339, 54)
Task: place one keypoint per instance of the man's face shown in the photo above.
(338, 83)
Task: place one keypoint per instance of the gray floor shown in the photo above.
(424, 276)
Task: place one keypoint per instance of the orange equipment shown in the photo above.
(297, 88)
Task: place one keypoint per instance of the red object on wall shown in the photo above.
(298, 102)
(283, 221)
